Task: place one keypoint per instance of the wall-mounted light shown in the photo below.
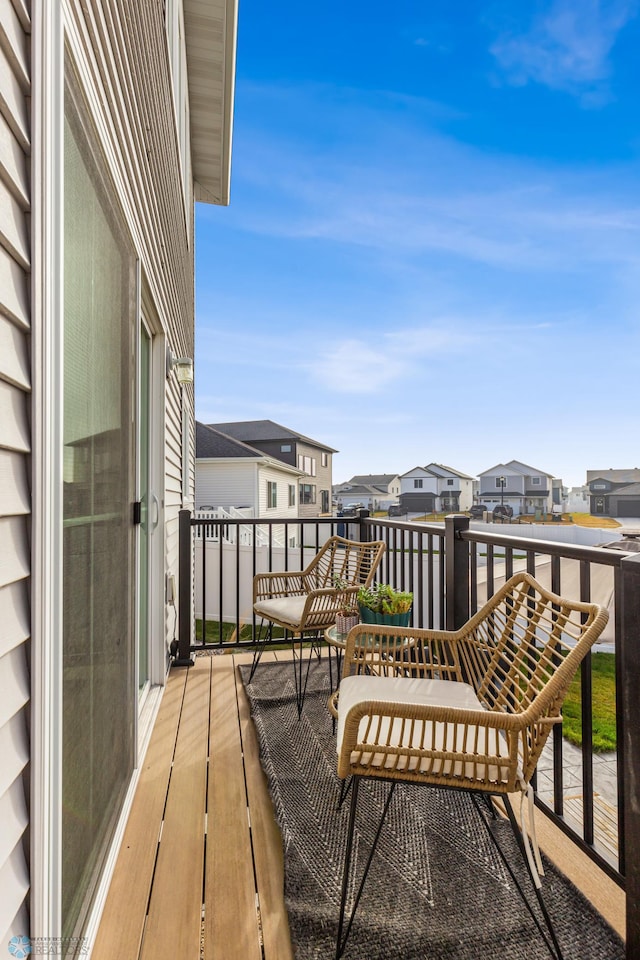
(182, 365)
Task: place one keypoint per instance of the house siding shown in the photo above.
(226, 484)
(15, 443)
(282, 481)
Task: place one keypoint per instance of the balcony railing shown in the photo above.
(451, 570)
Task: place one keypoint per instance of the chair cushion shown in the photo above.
(287, 610)
(420, 735)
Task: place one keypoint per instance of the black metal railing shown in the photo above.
(451, 570)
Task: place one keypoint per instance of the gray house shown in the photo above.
(614, 493)
(310, 457)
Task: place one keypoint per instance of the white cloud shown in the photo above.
(568, 47)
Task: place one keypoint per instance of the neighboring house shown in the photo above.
(526, 489)
(231, 474)
(313, 459)
(578, 499)
(375, 491)
(435, 488)
(116, 115)
(614, 493)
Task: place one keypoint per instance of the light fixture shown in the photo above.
(182, 365)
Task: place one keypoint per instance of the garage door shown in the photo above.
(628, 508)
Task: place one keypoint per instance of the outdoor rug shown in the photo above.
(436, 889)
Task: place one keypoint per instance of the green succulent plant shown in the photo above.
(383, 598)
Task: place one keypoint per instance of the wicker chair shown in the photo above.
(469, 709)
(307, 601)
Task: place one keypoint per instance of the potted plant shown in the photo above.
(381, 603)
(347, 615)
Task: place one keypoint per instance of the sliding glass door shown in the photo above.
(99, 700)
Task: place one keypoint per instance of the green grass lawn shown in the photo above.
(213, 633)
(604, 705)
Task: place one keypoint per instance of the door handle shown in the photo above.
(156, 518)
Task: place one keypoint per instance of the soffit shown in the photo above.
(210, 36)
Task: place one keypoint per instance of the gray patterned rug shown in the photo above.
(436, 889)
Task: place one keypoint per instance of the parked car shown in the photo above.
(477, 511)
(502, 512)
(351, 509)
(395, 510)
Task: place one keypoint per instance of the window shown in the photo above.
(272, 494)
(292, 494)
(307, 465)
(324, 496)
(450, 482)
(599, 486)
(536, 481)
(417, 484)
(307, 493)
(324, 459)
(98, 571)
(501, 482)
(285, 448)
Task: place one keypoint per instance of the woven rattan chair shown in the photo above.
(306, 602)
(467, 710)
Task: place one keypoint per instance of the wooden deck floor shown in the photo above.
(200, 872)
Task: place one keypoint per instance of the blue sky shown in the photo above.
(433, 245)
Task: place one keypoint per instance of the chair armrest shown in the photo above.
(322, 607)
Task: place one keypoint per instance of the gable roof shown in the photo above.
(374, 479)
(516, 466)
(261, 431)
(527, 471)
(442, 466)
(632, 475)
(211, 444)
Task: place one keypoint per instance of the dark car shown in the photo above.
(477, 511)
(502, 512)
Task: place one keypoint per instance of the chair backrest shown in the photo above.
(351, 562)
(522, 637)
(524, 647)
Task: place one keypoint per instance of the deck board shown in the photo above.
(267, 841)
(173, 927)
(231, 930)
(123, 918)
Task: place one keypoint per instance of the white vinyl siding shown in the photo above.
(15, 444)
(226, 485)
(271, 475)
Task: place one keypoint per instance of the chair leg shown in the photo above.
(301, 673)
(553, 946)
(260, 646)
(345, 786)
(341, 941)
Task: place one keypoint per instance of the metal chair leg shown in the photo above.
(260, 646)
(341, 941)
(553, 946)
(301, 676)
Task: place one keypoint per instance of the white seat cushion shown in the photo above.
(284, 609)
(420, 735)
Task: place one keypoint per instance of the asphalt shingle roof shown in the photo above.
(213, 444)
(261, 431)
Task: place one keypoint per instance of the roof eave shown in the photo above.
(211, 29)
